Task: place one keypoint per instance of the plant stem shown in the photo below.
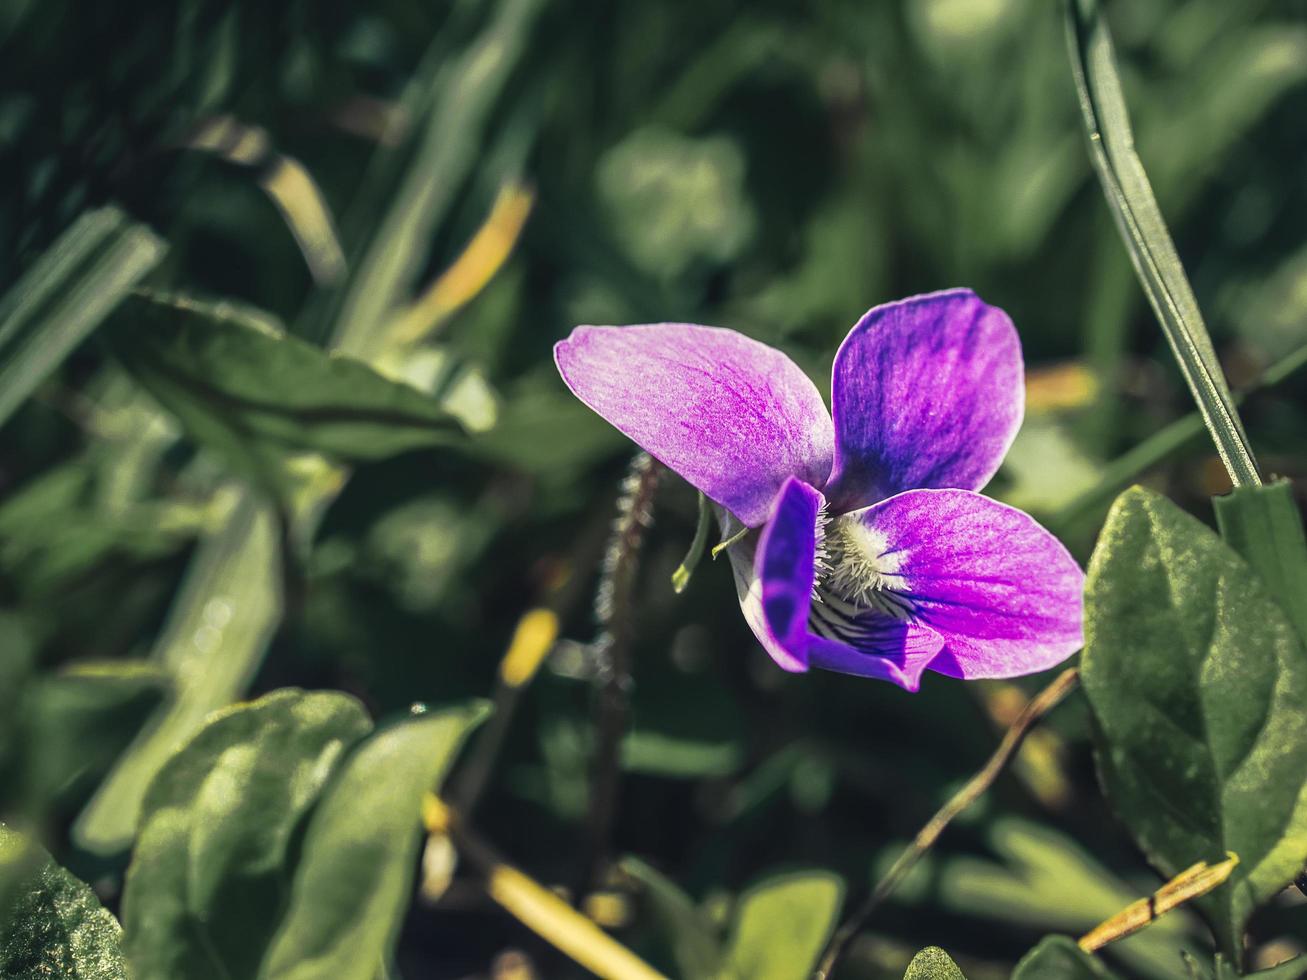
(1038, 706)
(535, 906)
(614, 611)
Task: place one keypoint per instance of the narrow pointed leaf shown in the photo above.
(465, 89)
(1197, 680)
(67, 294)
(1143, 229)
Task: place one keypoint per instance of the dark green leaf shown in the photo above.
(354, 881)
(697, 952)
(1263, 524)
(932, 963)
(242, 386)
(1143, 229)
(51, 924)
(209, 875)
(66, 295)
(1197, 681)
(782, 925)
(1059, 958)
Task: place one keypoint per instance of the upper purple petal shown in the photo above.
(926, 392)
(731, 415)
(1004, 594)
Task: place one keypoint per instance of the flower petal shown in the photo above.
(775, 584)
(731, 415)
(1004, 594)
(926, 392)
(891, 650)
(775, 581)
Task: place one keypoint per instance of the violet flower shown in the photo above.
(874, 553)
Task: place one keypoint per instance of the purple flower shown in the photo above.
(874, 553)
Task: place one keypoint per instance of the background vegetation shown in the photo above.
(189, 519)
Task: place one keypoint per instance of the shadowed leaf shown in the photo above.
(1197, 681)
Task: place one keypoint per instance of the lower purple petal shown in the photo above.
(894, 651)
(1002, 592)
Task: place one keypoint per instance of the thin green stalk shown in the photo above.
(1143, 229)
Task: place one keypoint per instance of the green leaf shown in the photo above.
(66, 295)
(1143, 229)
(212, 644)
(1197, 681)
(51, 924)
(239, 384)
(1264, 525)
(354, 880)
(1059, 958)
(782, 925)
(209, 875)
(697, 952)
(932, 963)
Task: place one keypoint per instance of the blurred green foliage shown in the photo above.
(771, 167)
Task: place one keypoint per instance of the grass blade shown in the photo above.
(67, 294)
(1140, 222)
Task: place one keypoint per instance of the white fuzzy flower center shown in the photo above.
(858, 570)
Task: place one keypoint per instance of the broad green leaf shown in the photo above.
(781, 926)
(355, 878)
(1197, 681)
(685, 928)
(66, 295)
(932, 963)
(240, 384)
(1059, 958)
(1143, 229)
(1263, 524)
(210, 872)
(51, 924)
(213, 642)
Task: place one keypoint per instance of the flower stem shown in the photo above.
(1038, 706)
(614, 611)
